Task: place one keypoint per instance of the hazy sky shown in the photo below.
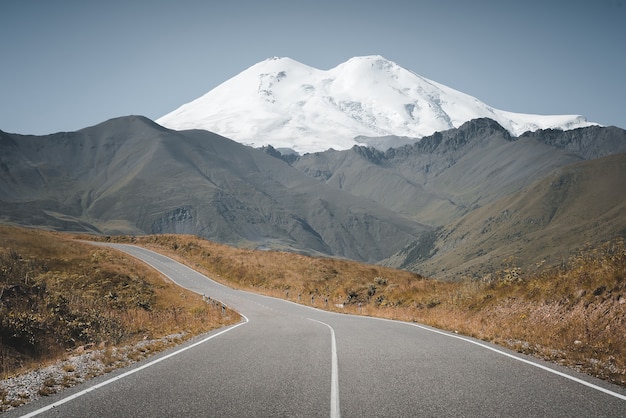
(66, 65)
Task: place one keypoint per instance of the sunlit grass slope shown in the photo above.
(58, 294)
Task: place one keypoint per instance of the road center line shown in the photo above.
(334, 380)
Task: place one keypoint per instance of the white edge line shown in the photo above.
(128, 373)
(152, 363)
(565, 375)
(523, 360)
(334, 380)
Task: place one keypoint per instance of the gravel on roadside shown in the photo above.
(79, 366)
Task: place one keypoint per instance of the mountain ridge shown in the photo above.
(405, 207)
(452, 172)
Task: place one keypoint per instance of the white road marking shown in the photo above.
(334, 380)
(548, 369)
(128, 373)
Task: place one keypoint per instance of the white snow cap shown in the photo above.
(286, 104)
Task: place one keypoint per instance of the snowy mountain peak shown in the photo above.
(376, 62)
(287, 104)
(275, 63)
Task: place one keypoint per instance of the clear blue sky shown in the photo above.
(66, 65)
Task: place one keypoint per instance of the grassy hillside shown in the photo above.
(583, 203)
(58, 295)
(574, 314)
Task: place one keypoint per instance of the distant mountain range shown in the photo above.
(491, 198)
(363, 101)
(460, 202)
(132, 176)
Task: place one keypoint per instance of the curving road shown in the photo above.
(287, 359)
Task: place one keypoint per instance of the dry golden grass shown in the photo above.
(574, 314)
(58, 294)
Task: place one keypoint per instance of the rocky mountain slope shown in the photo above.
(451, 173)
(130, 175)
(572, 207)
(566, 186)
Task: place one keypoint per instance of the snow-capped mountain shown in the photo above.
(286, 104)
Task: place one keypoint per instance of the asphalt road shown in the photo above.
(287, 359)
